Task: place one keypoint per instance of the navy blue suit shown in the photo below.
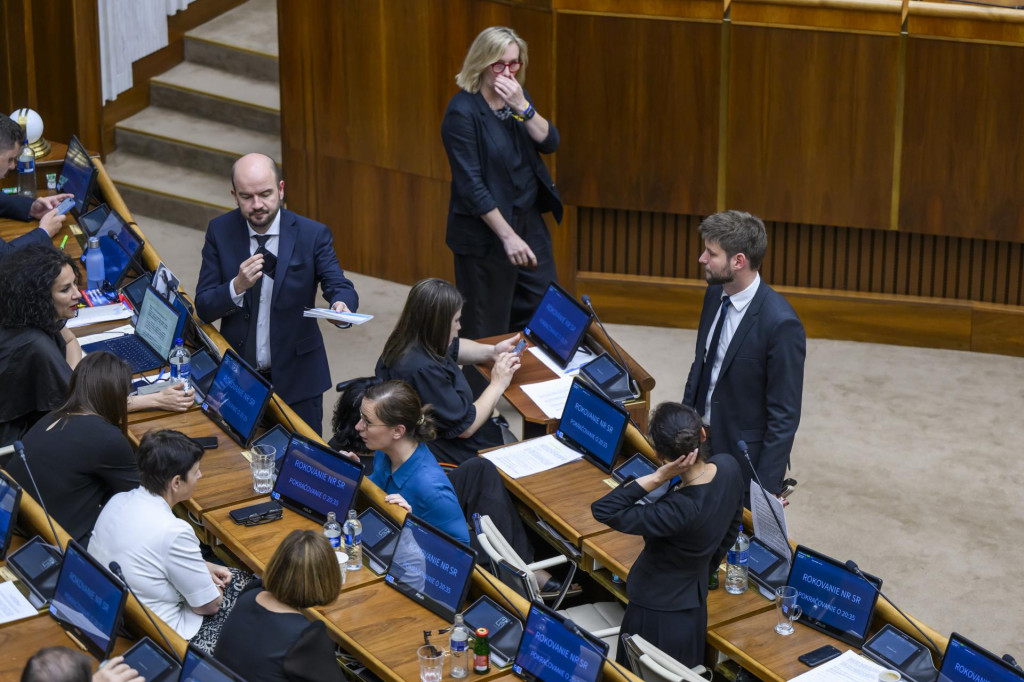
(760, 385)
(18, 207)
(305, 258)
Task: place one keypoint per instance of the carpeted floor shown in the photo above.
(906, 457)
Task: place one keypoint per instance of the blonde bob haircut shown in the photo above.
(486, 49)
(304, 571)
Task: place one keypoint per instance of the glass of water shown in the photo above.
(431, 663)
(786, 609)
(262, 465)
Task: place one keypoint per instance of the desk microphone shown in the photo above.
(21, 452)
(746, 453)
(851, 565)
(634, 388)
(116, 569)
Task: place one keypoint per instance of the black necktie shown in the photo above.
(269, 266)
(709, 360)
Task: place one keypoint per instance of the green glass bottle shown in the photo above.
(713, 578)
(481, 652)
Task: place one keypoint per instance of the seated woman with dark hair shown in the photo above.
(425, 351)
(267, 638)
(79, 454)
(39, 293)
(158, 552)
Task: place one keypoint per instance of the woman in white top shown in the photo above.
(158, 552)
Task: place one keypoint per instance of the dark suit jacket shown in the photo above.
(17, 207)
(686, 532)
(305, 258)
(760, 386)
(479, 153)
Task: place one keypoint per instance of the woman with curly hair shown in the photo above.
(39, 293)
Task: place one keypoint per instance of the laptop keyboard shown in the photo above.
(134, 352)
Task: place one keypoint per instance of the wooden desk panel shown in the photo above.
(20, 640)
(755, 645)
(383, 628)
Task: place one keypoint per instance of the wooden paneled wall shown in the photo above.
(877, 138)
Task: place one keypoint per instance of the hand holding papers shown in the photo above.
(335, 316)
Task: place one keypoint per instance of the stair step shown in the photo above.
(231, 59)
(220, 96)
(251, 27)
(180, 139)
(180, 195)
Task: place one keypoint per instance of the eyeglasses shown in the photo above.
(368, 423)
(258, 519)
(513, 66)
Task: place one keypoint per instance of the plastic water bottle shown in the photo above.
(26, 164)
(458, 643)
(95, 267)
(736, 565)
(354, 541)
(181, 364)
(332, 531)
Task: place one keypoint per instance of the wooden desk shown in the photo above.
(384, 628)
(753, 643)
(20, 640)
(227, 478)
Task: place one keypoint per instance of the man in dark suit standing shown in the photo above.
(261, 267)
(43, 209)
(747, 378)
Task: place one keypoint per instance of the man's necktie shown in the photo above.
(709, 360)
(269, 266)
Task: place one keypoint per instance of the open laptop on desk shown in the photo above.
(553, 648)
(201, 667)
(120, 244)
(10, 501)
(237, 398)
(147, 349)
(558, 325)
(965, 661)
(78, 176)
(315, 480)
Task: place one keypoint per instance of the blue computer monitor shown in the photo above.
(833, 598)
(201, 667)
(592, 424)
(431, 567)
(965, 661)
(558, 325)
(552, 650)
(88, 601)
(10, 501)
(315, 480)
(237, 398)
(120, 246)
(77, 176)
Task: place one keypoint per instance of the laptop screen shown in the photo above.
(549, 650)
(77, 175)
(88, 601)
(834, 599)
(199, 667)
(315, 480)
(592, 424)
(238, 396)
(558, 324)
(431, 567)
(10, 498)
(965, 661)
(157, 323)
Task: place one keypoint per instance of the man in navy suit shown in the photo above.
(261, 267)
(42, 209)
(747, 378)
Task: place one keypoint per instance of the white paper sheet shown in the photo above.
(13, 605)
(850, 667)
(582, 357)
(333, 316)
(550, 396)
(765, 527)
(532, 456)
(101, 313)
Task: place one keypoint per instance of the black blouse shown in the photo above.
(34, 361)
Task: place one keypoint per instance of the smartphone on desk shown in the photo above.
(820, 655)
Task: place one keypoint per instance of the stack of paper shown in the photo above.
(532, 456)
(850, 667)
(334, 316)
(101, 313)
(550, 396)
(580, 358)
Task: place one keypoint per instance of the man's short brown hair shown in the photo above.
(737, 232)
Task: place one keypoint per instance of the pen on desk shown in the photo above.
(161, 375)
(63, 242)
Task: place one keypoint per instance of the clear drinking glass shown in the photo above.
(431, 663)
(786, 609)
(262, 465)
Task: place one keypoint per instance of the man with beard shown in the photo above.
(261, 268)
(747, 378)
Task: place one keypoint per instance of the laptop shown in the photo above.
(202, 667)
(504, 629)
(147, 349)
(89, 601)
(965, 661)
(237, 397)
(120, 245)
(315, 480)
(558, 325)
(553, 648)
(592, 425)
(834, 599)
(431, 567)
(10, 501)
(77, 176)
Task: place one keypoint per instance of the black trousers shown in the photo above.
(480, 490)
(501, 297)
(310, 410)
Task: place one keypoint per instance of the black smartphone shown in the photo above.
(207, 442)
(257, 513)
(819, 656)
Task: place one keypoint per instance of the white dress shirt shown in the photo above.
(266, 293)
(738, 305)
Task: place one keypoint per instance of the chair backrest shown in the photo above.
(516, 579)
(663, 664)
(633, 652)
(651, 671)
(497, 548)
